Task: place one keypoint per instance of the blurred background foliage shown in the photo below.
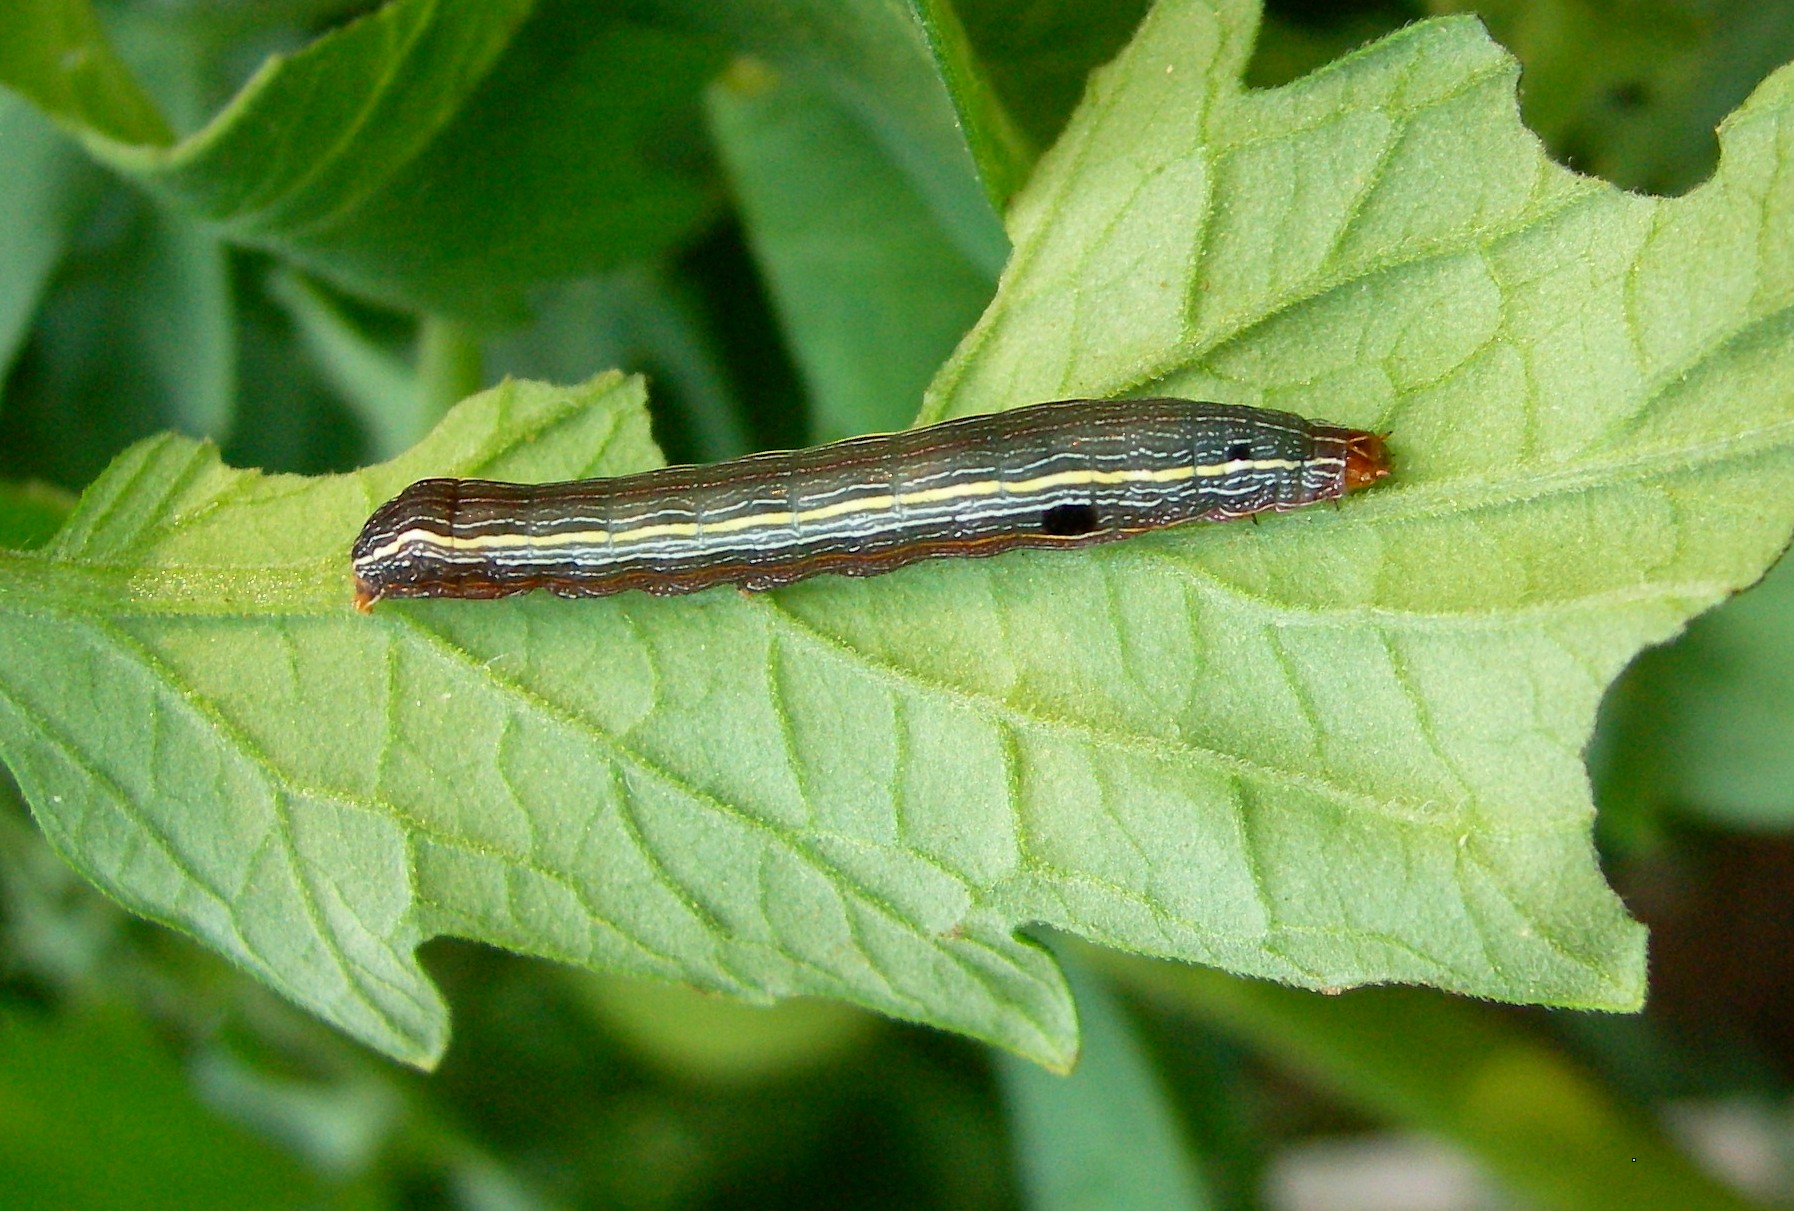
(756, 206)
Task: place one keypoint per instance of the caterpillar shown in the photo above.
(1063, 474)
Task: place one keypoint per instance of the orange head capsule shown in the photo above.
(1367, 460)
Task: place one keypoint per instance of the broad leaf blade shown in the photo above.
(1337, 748)
(1589, 397)
(219, 771)
(319, 792)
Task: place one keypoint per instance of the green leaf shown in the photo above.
(646, 320)
(1588, 397)
(289, 418)
(288, 872)
(1707, 723)
(999, 148)
(31, 513)
(357, 156)
(905, 71)
(1641, 110)
(1290, 44)
(54, 52)
(1341, 747)
(705, 1039)
(186, 322)
(871, 291)
(380, 388)
(349, 819)
(49, 189)
(584, 136)
(1039, 53)
(136, 333)
(1106, 1135)
(1548, 1129)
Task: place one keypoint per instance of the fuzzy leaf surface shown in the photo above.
(1590, 396)
(1341, 747)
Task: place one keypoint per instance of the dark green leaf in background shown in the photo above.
(1532, 1117)
(643, 319)
(154, 1145)
(578, 153)
(419, 121)
(30, 514)
(895, 67)
(704, 1038)
(291, 415)
(379, 385)
(871, 291)
(186, 323)
(1000, 151)
(1106, 1135)
(138, 334)
(54, 52)
(47, 191)
(1641, 112)
(1040, 53)
(1706, 724)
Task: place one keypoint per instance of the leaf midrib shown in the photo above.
(297, 592)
